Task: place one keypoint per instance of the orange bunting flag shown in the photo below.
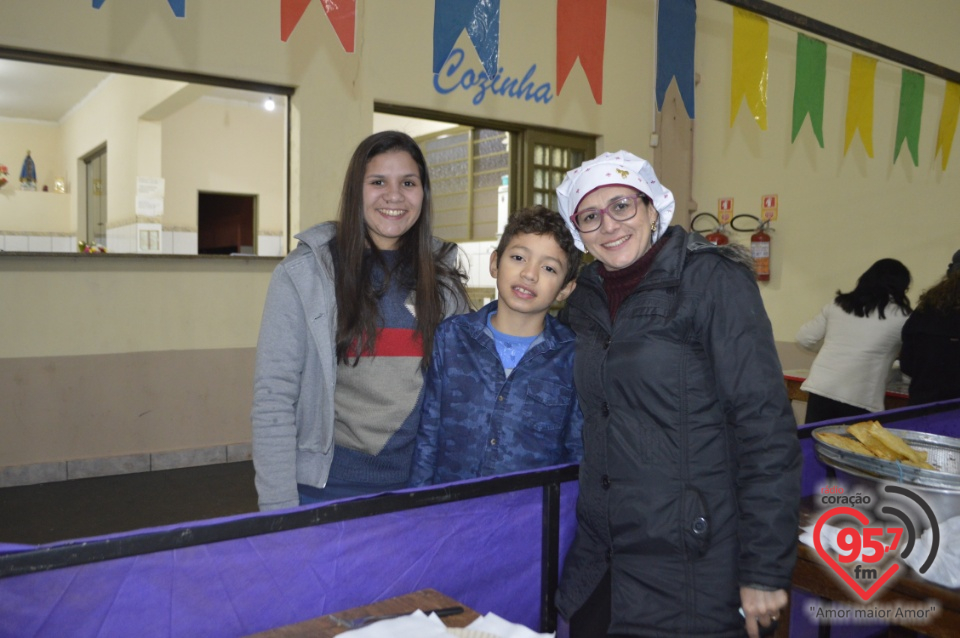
(581, 32)
(863, 72)
(342, 15)
(948, 123)
(751, 36)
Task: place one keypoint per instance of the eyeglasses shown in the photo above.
(590, 219)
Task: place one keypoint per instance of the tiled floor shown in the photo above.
(49, 512)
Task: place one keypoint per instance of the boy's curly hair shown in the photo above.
(540, 220)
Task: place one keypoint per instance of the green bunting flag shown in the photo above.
(911, 108)
(809, 85)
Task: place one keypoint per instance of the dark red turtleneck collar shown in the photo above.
(620, 283)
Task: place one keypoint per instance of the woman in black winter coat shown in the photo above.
(690, 482)
(930, 354)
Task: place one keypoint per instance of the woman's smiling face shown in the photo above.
(392, 197)
(618, 244)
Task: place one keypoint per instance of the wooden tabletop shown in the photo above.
(909, 589)
(327, 626)
(811, 575)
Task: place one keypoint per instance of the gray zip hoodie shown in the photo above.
(296, 372)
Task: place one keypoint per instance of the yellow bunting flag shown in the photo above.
(948, 123)
(751, 36)
(863, 72)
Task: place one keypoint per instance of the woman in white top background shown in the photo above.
(858, 335)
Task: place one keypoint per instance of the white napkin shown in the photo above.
(828, 539)
(945, 569)
(415, 625)
(497, 626)
(419, 625)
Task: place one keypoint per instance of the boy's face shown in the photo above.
(530, 274)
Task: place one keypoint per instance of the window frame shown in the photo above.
(523, 139)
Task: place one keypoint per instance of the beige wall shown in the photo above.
(42, 139)
(820, 244)
(838, 213)
(243, 153)
(29, 211)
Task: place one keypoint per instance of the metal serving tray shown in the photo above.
(943, 452)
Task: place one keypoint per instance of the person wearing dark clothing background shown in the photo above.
(930, 354)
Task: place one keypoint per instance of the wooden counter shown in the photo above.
(896, 396)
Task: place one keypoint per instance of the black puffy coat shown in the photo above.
(690, 482)
(930, 355)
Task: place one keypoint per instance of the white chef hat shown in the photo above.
(612, 169)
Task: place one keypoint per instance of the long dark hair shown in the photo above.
(419, 267)
(885, 281)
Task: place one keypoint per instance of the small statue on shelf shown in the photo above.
(28, 174)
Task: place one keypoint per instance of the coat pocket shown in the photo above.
(695, 519)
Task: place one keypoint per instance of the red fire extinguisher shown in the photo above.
(717, 238)
(760, 249)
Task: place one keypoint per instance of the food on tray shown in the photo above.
(895, 443)
(872, 439)
(865, 435)
(844, 442)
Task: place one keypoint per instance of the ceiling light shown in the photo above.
(269, 104)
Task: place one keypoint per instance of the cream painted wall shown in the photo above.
(242, 152)
(111, 116)
(838, 212)
(42, 140)
(143, 307)
(22, 211)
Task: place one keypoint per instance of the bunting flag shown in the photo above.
(179, 6)
(676, 35)
(290, 13)
(948, 123)
(908, 121)
(581, 33)
(342, 15)
(751, 36)
(809, 85)
(481, 19)
(863, 72)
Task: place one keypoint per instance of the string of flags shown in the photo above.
(749, 84)
(581, 35)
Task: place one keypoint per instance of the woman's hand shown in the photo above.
(761, 608)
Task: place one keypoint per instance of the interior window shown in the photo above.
(124, 158)
(481, 171)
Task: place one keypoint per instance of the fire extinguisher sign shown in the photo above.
(724, 210)
(768, 208)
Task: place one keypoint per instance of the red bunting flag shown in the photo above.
(581, 32)
(341, 13)
(290, 13)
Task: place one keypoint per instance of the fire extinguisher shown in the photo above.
(715, 237)
(760, 249)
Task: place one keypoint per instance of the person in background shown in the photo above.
(858, 335)
(499, 393)
(930, 354)
(348, 327)
(690, 481)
